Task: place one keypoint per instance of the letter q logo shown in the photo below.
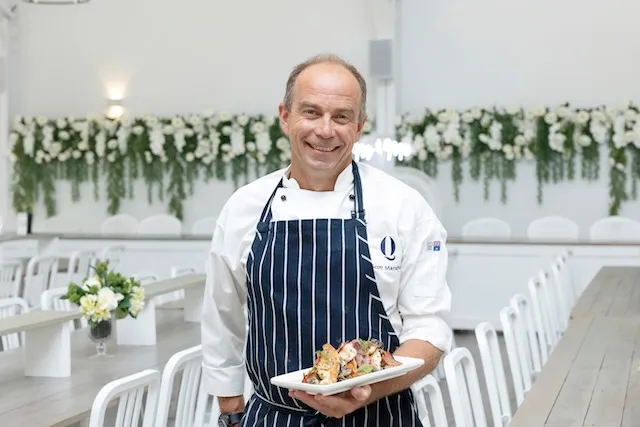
(388, 248)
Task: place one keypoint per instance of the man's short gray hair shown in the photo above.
(327, 58)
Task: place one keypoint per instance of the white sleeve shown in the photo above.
(424, 299)
(223, 322)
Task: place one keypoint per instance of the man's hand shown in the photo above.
(231, 404)
(337, 406)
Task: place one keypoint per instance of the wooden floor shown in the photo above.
(468, 339)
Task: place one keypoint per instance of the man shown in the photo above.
(325, 251)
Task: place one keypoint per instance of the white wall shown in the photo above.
(462, 54)
(167, 57)
(174, 57)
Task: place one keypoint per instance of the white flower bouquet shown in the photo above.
(106, 294)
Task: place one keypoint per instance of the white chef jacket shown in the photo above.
(412, 285)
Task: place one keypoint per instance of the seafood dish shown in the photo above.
(352, 359)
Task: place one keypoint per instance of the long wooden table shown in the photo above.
(592, 377)
(56, 402)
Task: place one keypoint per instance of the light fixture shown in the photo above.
(387, 147)
(56, 2)
(115, 109)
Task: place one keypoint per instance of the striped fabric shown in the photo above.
(310, 282)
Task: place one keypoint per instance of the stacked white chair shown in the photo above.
(121, 224)
(427, 388)
(464, 389)
(41, 272)
(521, 304)
(133, 409)
(114, 254)
(204, 226)
(517, 344)
(493, 369)
(11, 307)
(51, 300)
(11, 273)
(161, 224)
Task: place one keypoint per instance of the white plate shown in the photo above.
(293, 380)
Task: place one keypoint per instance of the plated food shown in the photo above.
(352, 359)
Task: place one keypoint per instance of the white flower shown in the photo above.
(237, 142)
(582, 117)
(108, 300)
(584, 140)
(189, 157)
(242, 120)
(91, 282)
(550, 118)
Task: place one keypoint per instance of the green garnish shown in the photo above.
(365, 369)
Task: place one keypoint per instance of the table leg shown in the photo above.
(48, 351)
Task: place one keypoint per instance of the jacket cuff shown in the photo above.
(224, 382)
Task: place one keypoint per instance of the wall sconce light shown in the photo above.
(115, 109)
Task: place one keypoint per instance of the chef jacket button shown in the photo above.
(351, 197)
(283, 198)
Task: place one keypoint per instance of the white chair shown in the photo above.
(161, 224)
(120, 224)
(516, 344)
(562, 293)
(522, 306)
(80, 263)
(192, 400)
(487, 228)
(11, 273)
(130, 392)
(428, 388)
(50, 300)
(204, 226)
(615, 229)
(464, 389)
(41, 272)
(114, 254)
(194, 406)
(493, 368)
(537, 291)
(12, 307)
(553, 228)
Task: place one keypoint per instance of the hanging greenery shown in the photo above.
(564, 142)
(171, 154)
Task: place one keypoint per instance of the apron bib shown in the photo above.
(311, 282)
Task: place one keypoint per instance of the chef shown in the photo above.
(324, 251)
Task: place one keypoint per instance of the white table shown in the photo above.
(57, 402)
(46, 347)
(142, 330)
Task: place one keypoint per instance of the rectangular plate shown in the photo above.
(293, 380)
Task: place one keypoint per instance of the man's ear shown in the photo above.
(283, 115)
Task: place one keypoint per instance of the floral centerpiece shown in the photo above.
(103, 296)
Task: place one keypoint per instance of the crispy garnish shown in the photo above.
(350, 360)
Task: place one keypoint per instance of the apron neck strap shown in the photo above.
(358, 204)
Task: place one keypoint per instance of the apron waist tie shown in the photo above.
(311, 417)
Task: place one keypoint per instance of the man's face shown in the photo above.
(323, 122)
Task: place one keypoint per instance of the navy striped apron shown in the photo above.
(311, 282)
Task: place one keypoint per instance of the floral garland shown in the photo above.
(171, 154)
(493, 140)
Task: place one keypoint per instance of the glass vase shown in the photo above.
(100, 333)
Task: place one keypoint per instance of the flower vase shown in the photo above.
(100, 333)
